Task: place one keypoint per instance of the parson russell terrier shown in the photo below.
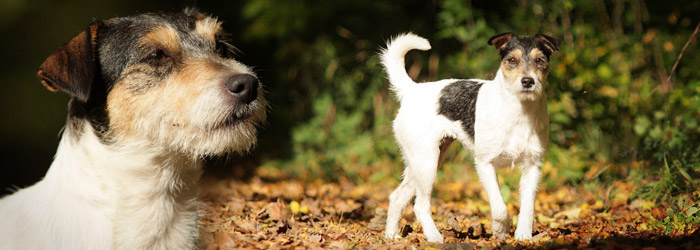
(152, 95)
(502, 121)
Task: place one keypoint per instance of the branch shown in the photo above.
(681, 55)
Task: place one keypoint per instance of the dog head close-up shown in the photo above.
(152, 96)
(525, 62)
(168, 79)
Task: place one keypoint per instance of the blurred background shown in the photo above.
(617, 109)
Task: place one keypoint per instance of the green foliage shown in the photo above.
(339, 90)
(682, 216)
(609, 102)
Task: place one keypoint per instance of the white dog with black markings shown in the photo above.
(151, 95)
(503, 122)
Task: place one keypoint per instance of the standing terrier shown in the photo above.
(502, 121)
(151, 95)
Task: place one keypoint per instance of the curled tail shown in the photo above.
(393, 59)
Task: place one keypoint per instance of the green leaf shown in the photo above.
(691, 211)
(683, 173)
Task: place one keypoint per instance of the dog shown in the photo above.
(151, 96)
(502, 121)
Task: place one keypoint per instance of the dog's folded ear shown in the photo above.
(550, 42)
(72, 67)
(501, 39)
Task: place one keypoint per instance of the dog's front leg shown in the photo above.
(529, 180)
(499, 213)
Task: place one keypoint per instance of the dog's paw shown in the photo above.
(500, 229)
(435, 238)
(391, 236)
(500, 236)
(522, 235)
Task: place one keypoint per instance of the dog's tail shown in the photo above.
(393, 59)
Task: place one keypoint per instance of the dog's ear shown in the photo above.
(73, 66)
(501, 39)
(550, 43)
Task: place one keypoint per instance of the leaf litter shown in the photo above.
(285, 213)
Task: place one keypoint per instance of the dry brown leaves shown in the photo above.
(291, 214)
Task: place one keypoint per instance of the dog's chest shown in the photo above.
(507, 133)
(520, 138)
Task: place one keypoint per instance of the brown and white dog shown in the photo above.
(152, 95)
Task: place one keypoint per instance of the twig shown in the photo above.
(681, 55)
(660, 68)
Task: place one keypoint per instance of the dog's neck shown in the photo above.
(126, 162)
(129, 181)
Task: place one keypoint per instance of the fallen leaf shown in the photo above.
(294, 207)
(571, 213)
(454, 223)
(347, 206)
(544, 219)
(658, 212)
(245, 226)
(272, 210)
(315, 238)
(223, 239)
(378, 222)
(476, 230)
(457, 246)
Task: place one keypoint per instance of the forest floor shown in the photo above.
(282, 213)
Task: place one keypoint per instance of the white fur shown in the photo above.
(98, 196)
(137, 192)
(511, 127)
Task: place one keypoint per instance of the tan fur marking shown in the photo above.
(187, 78)
(511, 74)
(534, 54)
(208, 27)
(127, 111)
(164, 36)
(120, 109)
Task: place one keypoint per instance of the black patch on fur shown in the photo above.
(458, 103)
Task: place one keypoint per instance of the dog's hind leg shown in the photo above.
(423, 167)
(397, 203)
(529, 180)
(499, 213)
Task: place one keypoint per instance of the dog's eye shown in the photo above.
(512, 60)
(157, 56)
(539, 61)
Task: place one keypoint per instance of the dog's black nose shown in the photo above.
(527, 82)
(244, 87)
